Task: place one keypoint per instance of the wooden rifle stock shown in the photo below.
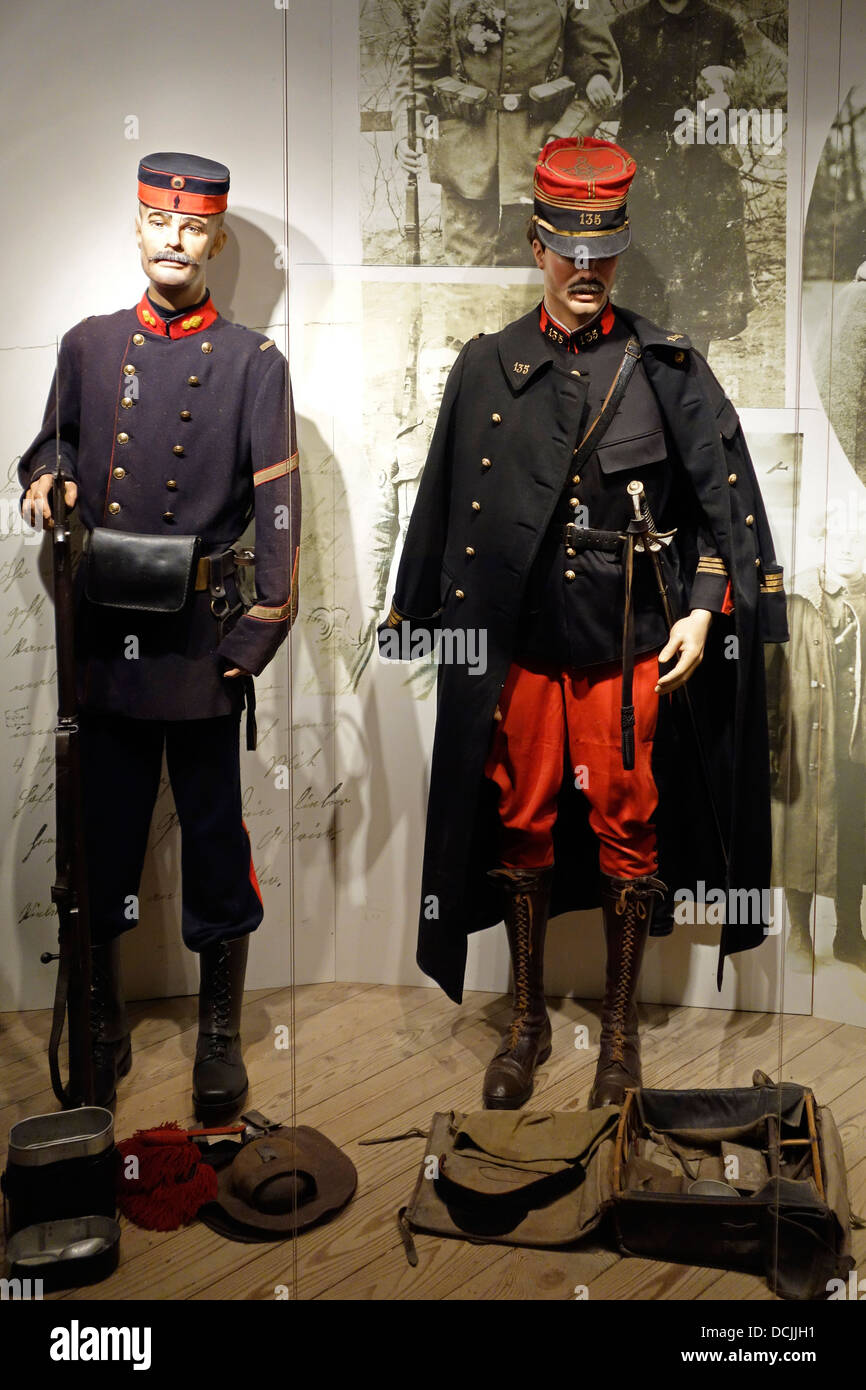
(69, 891)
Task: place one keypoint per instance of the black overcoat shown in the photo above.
(513, 399)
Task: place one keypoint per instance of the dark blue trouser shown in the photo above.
(120, 767)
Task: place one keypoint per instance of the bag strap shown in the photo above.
(604, 418)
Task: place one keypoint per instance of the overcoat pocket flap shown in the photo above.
(636, 452)
(727, 419)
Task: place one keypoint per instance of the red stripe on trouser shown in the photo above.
(540, 709)
(253, 879)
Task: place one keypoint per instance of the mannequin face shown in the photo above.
(574, 296)
(175, 249)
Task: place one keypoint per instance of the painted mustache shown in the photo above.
(586, 287)
(179, 256)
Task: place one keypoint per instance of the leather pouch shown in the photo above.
(549, 100)
(144, 574)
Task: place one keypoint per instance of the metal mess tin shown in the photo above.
(65, 1254)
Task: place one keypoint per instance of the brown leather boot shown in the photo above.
(508, 1079)
(627, 904)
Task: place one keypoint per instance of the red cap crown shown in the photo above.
(580, 188)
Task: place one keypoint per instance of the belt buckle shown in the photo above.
(510, 102)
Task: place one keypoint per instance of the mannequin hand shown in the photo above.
(600, 92)
(235, 671)
(36, 500)
(688, 637)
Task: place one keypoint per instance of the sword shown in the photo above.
(651, 542)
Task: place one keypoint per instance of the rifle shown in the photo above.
(69, 890)
(412, 227)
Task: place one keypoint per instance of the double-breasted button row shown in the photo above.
(138, 339)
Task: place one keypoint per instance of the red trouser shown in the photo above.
(539, 708)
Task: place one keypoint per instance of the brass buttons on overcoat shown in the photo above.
(496, 418)
(114, 508)
(178, 449)
(569, 575)
(138, 339)
(486, 463)
(207, 347)
(750, 520)
(123, 438)
(476, 506)
(119, 472)
(185, 415)
(732, 478)
(470, 551)
(129, 370)
(192, 381)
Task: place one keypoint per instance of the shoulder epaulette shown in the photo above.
(263, 347)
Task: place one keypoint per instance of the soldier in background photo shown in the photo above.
(174, 424)
(688, 264)
(435, 359)
(499, 80)
(818, 689)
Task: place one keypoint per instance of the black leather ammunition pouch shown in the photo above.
(145, 574)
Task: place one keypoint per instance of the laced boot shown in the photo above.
(219, 1078)
(508, 1079)
(109, 1029)
(627, 905)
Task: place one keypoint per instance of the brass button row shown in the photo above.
(138, 339)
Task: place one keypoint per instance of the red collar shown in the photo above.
(581, 337)
(179, 327)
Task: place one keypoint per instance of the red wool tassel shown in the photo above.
(171, 1183)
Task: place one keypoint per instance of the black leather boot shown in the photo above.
(109, 1029)
(219, 1077)
(627, 904)
(508, 1080)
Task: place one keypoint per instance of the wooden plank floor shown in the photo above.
(374, 1060)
